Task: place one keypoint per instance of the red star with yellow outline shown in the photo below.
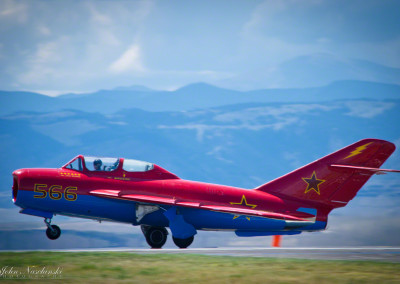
(243, 202)
(313, 183)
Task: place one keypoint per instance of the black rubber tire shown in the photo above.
(55, 234)
(183, 243)
(156, 237)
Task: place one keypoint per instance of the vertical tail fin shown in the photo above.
(333, 180)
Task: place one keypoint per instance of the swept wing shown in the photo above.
(158, 200)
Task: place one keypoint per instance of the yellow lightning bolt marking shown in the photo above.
(358, 150)
(244, 203)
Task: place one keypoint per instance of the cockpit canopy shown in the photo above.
(102, 164)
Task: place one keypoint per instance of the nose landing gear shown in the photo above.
(53, 232)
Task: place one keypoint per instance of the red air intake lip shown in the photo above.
(15, 189)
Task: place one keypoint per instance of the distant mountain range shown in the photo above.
(191, 97)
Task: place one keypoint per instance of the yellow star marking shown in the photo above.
(243, 202)
(358, 150)
(313, 183)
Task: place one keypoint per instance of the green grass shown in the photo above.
(124, 267)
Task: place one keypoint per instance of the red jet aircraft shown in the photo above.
(145, 194)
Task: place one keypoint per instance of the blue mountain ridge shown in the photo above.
(191, 97)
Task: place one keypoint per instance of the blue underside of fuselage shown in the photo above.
(98, 208)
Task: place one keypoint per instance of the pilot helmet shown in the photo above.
(97, 162)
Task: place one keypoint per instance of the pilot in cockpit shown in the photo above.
(97, 164)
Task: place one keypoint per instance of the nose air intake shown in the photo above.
(16, 183)
(15, 189)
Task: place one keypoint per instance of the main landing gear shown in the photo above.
(53, 232)
(183, 243)
(157, 236)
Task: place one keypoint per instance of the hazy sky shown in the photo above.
(60, 46)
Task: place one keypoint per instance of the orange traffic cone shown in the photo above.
(276, 241)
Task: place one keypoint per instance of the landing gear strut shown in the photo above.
(155, 236)
(53, 232)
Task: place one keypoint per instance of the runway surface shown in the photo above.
(387, 254)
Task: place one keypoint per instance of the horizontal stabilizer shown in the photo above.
(366, 169)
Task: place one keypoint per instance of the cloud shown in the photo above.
(48, 52)
(202, 128)
(13, 11)
(105, 44)
(266, 32)
(218, 152)
(97, 17)
(285, 29)
(41, 65)
(293, 158)
(384, 52)
(44, 30)
(72, 46)
(129, 61)
(366, 109)
(254, 115)
(312, 21)
(255, 119)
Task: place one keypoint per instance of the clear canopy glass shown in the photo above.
(108, 164)
(76, 164)
(137, 166)
(101, 163)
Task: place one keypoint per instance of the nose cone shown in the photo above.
(19, 172)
